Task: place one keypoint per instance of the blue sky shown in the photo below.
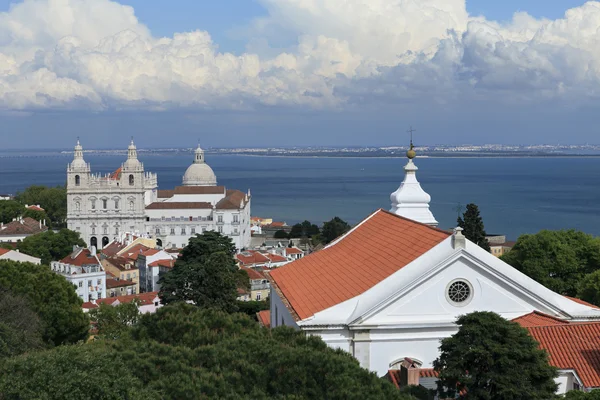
(297, 76)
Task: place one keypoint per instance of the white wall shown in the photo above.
(20, 257)
(279, 313)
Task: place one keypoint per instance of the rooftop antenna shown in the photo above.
(458, 209)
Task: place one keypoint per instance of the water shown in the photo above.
(515, 195)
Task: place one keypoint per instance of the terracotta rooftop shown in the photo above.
(233, 200)
(3, 251)
(116, 175)
(254, 274)
(121, 263)
(572, 346)
(113, 248)
(537, 318)
(251, 257)
(293, 250)
(178, 205)
(135, 251)
(276, 258)
(115, 283)
(26, 226)
(375, 249)
(144, 298)
(199, 190)
(35, 208)
(165, 194)
(264, 318)
(80, 258)
(163, 263)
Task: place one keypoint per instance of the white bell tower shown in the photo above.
(410, 200)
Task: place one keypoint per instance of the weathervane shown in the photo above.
(411, 152)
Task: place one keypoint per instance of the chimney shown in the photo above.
(459, 241)
(409, 373)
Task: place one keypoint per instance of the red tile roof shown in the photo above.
(251, 257)
(163, 263)
(572, 346)
(113, 248)
(26, 226)
(293, 250)
(116, 175)
(254, 274)
(114, 283)
(537, 318)
(3, 251)
(585, 303)
(80, 258)
(135, 251)
(35, 208)
(121, 263)
(276, 258)
(199, 190)
(277, 224)
(232, 201)
(264, 318)
(378, 247)
(144, 298)
(89, 305)
(428, 373)
(150, 252)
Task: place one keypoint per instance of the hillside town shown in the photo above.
(386, 291)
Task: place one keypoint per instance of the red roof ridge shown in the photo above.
(538, 318)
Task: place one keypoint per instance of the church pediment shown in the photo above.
(466, 280)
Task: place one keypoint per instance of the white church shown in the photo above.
(391, 288)
(103, 208)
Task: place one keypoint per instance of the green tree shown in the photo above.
(494, 359)
(9, 210)
(296, 231)
(577, 395)
(20, 327)
(112, 322)
(558, 260)
(305, 229)
(52, 298)
(280, 234)
(334, 229)
(205, 274)
(51, 199)
(589, 288)
(183, 352)
(473, 228)
(50, 245)
(418, 392)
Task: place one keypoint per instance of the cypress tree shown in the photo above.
(473, 228)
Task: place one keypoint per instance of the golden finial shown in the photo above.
(411, 153)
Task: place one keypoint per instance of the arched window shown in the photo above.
(105, 241)
(93, 204)
(77, 180)
(104, 203)
(94, 241)
(130, 180)
(116, 204)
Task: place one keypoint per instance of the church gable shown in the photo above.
(461, 286)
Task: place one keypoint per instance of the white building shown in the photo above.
(393, 286)
(83, 269)
(16, 255)
(100, 208)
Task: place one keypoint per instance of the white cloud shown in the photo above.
(95, 54)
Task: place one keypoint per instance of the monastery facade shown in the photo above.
(102, 208)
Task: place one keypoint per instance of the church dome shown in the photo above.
(199, 173)
(78, 161)
(132, 163)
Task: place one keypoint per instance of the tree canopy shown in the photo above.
(494, 359)
(9, 210)
(473, 228)
(51, 297)
(51, 199)
(20, 327)
(305, 229)
(333, 229)
(205, 274)
(183, 352)
(50, 245)
(577, 395)
(558, 260)
(114, 321)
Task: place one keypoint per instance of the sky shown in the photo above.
(234, 73)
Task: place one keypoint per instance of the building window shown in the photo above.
(80, 284)
(220, 229)
(193, 231)
(104, 203)
(116, 204)
(203, 229)
(183, 231)
(131, 206)
(93, 204)
(131, 180)
(128, 277)
(99, 282)
(236, 218)
(172, 231)
(157, 231)
(219, 218)
(459, 292)
(235, 230)
(257, 296)
(77, 180)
